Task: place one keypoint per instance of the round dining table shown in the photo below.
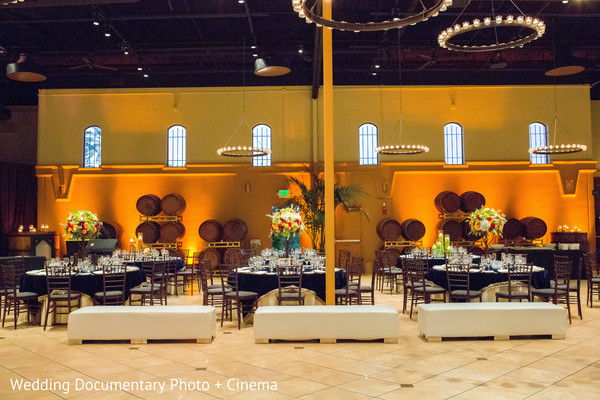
(263, 281)
(480, 279)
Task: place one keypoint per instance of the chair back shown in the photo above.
(389, 258)
(234, 256)
(9, 279)
(58, 280)
(344, 257)
(229, 278)
(113, 284)
(519, 275)
(589, 261)
(153, 270)
(458, 276)
(414, 270)
(289, 279)
(353, 272)
(562, 273)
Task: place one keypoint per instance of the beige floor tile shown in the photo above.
(370, 386)
(297, 387)
(402, 375)
(335, 393)
(490, 393)
(538, 375)
(513, 384)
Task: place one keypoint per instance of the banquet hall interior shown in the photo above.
(119, 107)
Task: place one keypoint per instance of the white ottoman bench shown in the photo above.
(500, 320)
(138, 324)
(326, 323)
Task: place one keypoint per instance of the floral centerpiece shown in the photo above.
(286, 227)
(486, 221)
(82, 225)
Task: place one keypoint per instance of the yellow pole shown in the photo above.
(328, 158)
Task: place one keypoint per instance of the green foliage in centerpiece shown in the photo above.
(484, 221)
(82, 225)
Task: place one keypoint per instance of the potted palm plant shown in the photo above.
(311, 202)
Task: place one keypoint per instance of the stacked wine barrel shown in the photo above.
(529, 228)
(211, 231)
(165, 228)
(411, 229)
(456, 225)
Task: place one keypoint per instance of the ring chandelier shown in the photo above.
(558, 149)
(534, 25)
(402, 149)
(242, 151)
(308, 13)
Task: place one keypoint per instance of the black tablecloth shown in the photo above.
(479, 280)
(264, 283)
(542, 257)
(88, 284)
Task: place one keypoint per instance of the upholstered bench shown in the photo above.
(139, 324)
(500, 320)
(326, 323)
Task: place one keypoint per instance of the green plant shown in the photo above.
(311, 202)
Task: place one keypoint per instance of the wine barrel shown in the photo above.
(234, 230)
(148, 204)
(533, 227)
(413, 229)
(210, 230)
(214, 256)
(149, 230)
(171, 231)
(389, 229)
(447, 202)
(513, 228)
(471, 201)
(466, 231)
(110, 231)
(451, 227)
(172, 204)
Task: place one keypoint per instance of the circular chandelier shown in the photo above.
(308, 13)
(535, 26)
(402, 149)
(558, 149)
(243, 151)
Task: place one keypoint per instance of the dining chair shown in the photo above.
(344, 257)
(459, 283)
(289, 285)
(593, 281)
(234, 256)
(366, 292)
(518, 276)
(390, 273)
(189, 273)
(407, 285)
(172, 274)
(349, 294)
(558, 292)
(574, 291)
(420, 292)
(154, 287)
(243, 302)
(212, 294)
(14, 296)
(113, 286)
(60, 294)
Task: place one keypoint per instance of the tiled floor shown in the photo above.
(412, 369)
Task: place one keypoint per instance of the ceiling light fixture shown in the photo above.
(308, 12)
(24, 70)
(399, 149)
(271, 66)
(558, 148)
(243, 151)
(534, 25)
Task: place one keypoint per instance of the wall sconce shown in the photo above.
(247, 187)
(384, 186)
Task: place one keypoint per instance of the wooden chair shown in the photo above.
(212, 294)
(189, 273)
(60, 295)
(593, 281)
(14, 296)
(289, 281)
(154, 288)
(171, 271)
(558, 292)
(459, 283)
(390, 274)
(407, 285)
(366, 292)
(349, 294)
(421, 292)
(113, 286)
(243, 302)
(518, 276)
(344, 257)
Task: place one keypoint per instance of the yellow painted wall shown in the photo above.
(134, 124)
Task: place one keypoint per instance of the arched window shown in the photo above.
(176, 146)
(92, 146)
(367, 143)
(538, 136)
(454, 144)
(261, 138)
